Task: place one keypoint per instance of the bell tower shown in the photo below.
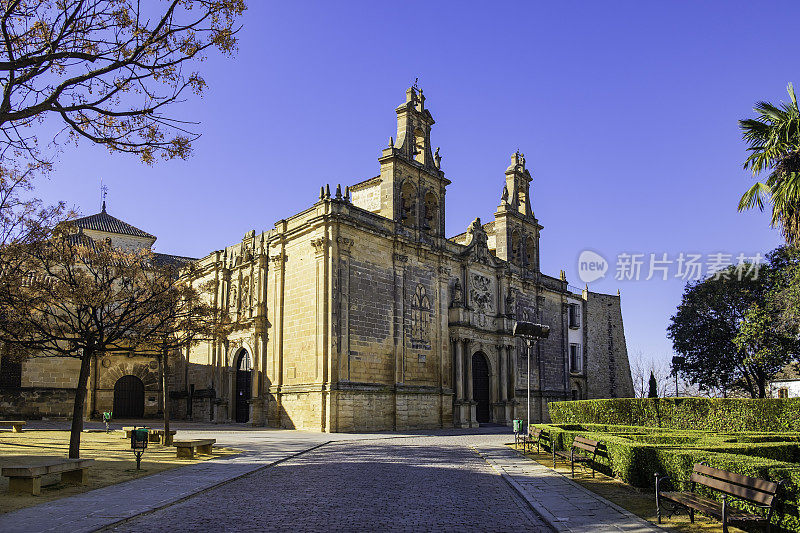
(412, 182)
(516, 227)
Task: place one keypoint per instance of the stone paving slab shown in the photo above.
(106, 506)
(562, 503)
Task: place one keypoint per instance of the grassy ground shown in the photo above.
(114, 462)
(639, 502)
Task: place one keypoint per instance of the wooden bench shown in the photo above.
(535, 435)
(16, 425)
(187, 448)
(28, 478)
(587, 453)
(759, 492)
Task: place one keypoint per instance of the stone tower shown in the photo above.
(516, 228)
(412, 182)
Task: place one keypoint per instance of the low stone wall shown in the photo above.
(33, 403)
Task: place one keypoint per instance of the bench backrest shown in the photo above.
(585, 444)
(755, 490)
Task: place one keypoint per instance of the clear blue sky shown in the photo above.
(626, 112)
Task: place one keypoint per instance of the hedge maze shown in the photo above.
(642, 437)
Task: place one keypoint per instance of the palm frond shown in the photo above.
(753, 196)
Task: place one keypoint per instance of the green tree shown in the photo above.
(653, 386)
(774, 145)
(729, 327)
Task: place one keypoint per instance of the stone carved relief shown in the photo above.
(246, 292)
(319, 245)
(233, 301)
(477, 249)
(511, 302)
(457, 294)
(480, 296)
(420, 318)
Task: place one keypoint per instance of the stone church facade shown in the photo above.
(359, 314)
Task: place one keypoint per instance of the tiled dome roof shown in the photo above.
(102, 221)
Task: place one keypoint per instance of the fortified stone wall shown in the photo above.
(51, 372)
(36, 403)
(608, 372)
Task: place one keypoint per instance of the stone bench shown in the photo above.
(187, 448)
(16, 425)
(129, 429)
(28, 478)
(157, 435)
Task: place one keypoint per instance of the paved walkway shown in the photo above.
(102, 507)
(564, 504)
(434, 483)
(306, 481)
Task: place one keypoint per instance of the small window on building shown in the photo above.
(574, 315)
(10, 373)
(575, 359)
(783, 392)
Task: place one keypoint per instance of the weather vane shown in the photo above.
(416, 81)
(103, 193)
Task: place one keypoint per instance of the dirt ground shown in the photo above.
(114, 462)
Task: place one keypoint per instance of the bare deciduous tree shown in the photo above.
(71, 297)
(106, 70)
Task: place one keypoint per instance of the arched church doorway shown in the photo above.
(243, 386)
(480, 386)
(128, 397)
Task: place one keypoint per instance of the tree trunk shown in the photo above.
(77, 409)
(165, 395)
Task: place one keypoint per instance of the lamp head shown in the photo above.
(530, 330)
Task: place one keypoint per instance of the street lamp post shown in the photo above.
(530, 332)
(676, 362)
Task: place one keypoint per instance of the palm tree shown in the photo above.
(774, 139)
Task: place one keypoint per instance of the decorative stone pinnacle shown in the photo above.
(339, 191)
(327, 190)
(321, 193)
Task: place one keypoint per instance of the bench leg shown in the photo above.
(185, 453)
(572, 461)
(80, 477)
(691, 516)
(205, 450)
(25, 485)
(154, 437)
(724, 514)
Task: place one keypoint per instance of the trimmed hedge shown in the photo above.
(634, 458)
(711, 414)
